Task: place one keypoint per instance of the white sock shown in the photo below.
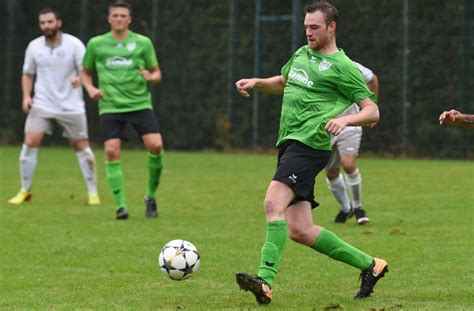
(87, 164)
(28, 159)
(338, 189)
(354, 183)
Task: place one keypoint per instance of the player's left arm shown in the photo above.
(368, 115)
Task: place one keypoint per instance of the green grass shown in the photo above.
(56, 253)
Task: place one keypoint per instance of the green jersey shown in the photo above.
(318, 88)
(118, 65)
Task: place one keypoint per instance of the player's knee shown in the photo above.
(332, 174)
(272, 209)
(349, 165)
(155, 148)
(112, 152)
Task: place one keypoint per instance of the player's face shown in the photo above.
(119, 19)
(318, 34)
(49, 25)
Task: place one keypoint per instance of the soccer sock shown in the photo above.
(354, 183)
(87, 164)
(330, 244)
(28, 159)
(338, 189)
(114, 174)
(277, 232)
(155, 166)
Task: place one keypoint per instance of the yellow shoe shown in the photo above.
(20, 197)
(93, 199)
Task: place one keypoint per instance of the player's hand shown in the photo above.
(75, 81)
(450, 117)
(26, 104)
(146, 74)
(244, 85)
(95, 94)
(335, 126)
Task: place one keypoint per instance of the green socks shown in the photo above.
(114, 175)
(330, 244)
(277, 232)
(155, 166)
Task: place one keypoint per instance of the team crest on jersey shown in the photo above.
(324, 65)
(131, 46)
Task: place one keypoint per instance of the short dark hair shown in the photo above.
(330, 11)
(121, 4)
(50, 10)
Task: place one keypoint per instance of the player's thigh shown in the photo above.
(334, 163)
(277, 198)
(38, 122)
(144, 122)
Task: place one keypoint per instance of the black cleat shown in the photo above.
(342, 216)
(361, 216)
(151, 208)
(370, 276)
(255, 284)
(122, 213)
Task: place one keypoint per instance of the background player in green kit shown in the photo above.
(125, 62)
(317, 83)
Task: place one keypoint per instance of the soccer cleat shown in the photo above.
(361, 216)
(151, 208)
(255, 284)
(342, 216)
(122, 213)
(93, 199)
(20, 197)
(370, 276)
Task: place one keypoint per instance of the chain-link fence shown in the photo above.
(421, 50)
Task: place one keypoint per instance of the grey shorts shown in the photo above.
(346, 143)
(74, 126)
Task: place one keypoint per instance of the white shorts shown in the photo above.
(346, 143)
(74, 126)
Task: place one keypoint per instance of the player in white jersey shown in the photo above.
(345, 148)
(52, 64)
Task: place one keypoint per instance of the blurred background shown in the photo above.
(421, 50)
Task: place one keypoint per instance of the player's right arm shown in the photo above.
(27, 81)
(273, 85)
(86, 78)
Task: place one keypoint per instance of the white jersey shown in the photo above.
(368, 75)
(53, 67)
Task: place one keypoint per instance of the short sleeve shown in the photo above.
(367, 74)
(79, 51)
(29, 65)
(151, 60)
(89, 56)
(352, 85)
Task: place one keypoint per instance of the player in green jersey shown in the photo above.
(125, 63)
(318, 83)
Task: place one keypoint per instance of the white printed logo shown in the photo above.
(293, 178)
(118, 62)
(313, 58)
(131, 46)
(300, 76)
(119, 45)
(324, 65)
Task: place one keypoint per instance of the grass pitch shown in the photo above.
(57, 253)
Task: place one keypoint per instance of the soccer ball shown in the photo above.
(179, 259)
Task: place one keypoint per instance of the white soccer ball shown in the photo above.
(179, 259)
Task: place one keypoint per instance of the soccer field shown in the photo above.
(57, 253)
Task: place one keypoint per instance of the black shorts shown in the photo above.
(143, 121)
(298, 165)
